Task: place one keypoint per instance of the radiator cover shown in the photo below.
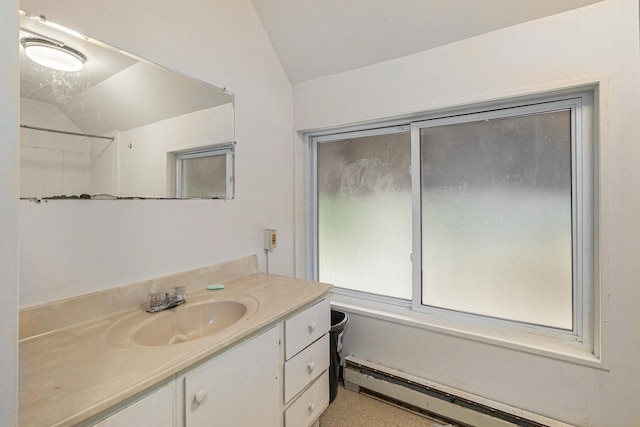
(426, 396)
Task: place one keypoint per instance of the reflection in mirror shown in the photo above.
(119, 126)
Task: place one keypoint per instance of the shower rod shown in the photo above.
(110, 138)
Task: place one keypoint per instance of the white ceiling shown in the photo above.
(316, 38)
(313, 38)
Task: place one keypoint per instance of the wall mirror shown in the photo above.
(103, 124)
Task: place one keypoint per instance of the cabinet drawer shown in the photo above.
(310, 404)
(306, 327)
(305, 367)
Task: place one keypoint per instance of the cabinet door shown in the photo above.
(154, 410)
(239, 388)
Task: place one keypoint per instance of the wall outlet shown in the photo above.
(270, 239)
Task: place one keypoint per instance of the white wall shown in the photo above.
(9, 193)
(596, 42)
(76, 247)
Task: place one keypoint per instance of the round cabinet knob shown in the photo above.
(311, 365)
(312, 407)
(312, 327)
(200, 396)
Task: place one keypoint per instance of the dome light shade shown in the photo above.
(52, 55)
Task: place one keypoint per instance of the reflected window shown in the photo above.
(205, 173)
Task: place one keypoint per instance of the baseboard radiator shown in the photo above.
(430, 398)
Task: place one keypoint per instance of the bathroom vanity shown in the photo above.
(83, 364)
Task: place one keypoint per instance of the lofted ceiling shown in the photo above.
(312, 38)
(316, 38)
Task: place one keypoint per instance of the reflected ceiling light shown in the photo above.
(52, 55)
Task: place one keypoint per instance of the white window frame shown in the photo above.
(313, 217)
(584, 338)
(582, 208)
(226, 149)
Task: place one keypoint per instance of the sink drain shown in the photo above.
(178, 338)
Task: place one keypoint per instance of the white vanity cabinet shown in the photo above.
(244, 386)
(277, 378)
(239, 387)
(120, 371)
(156, 409)
(306, 379)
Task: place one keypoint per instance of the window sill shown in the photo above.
(501, 337)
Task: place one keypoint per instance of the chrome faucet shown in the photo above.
(163, 300)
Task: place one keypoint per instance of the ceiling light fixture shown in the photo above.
(53, 55)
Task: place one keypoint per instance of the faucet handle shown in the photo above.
(162, 300)
(177, 295)
(176, 292)
(156, 299)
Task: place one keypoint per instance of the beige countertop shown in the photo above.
(72, 373)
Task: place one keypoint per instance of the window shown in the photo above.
(487, 215)
(205, 173)
(364, 212)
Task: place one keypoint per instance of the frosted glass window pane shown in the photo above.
(204, 177)
(496, 218)
(364, 214)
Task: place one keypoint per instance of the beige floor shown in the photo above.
(351, 409)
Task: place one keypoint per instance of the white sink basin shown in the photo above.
(188, 322)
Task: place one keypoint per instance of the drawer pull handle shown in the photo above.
(311, 366)
(200, 396)
(312, 327)
(312, 407)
